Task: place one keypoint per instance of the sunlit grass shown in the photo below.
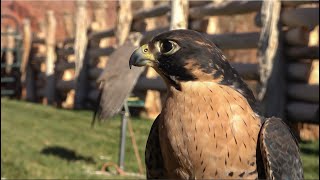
(44, 142)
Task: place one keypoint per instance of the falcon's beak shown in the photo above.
(142, 57)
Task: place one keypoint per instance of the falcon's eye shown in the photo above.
(168, 47)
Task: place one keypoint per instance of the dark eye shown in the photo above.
(166, 46)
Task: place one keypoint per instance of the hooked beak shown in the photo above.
(142, 57)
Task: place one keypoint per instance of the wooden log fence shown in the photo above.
(303, 52)
(299, 71)
(302, 97)
(296, 17)
(235, 40)
(303, 92)
(301, 17)
(156, 11)
(97, 52)
(225, 8)
(50, 57)
(27, 38)
(297, 53)
(37, 40)
(80, 46)
(303, 112)
(35, 75)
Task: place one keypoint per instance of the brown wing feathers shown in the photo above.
(279, 150)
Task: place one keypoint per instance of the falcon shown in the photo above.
(210, 126)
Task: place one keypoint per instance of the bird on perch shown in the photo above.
(210, 126)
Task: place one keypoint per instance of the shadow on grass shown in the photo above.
(309, 151)
(309, 147)
(65, 153)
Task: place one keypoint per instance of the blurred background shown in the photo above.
(54, 53)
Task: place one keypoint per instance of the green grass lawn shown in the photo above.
(44, 142)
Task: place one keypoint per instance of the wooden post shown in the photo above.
(68, 24)
(10, 45)
(179, 14)
(151, 22)
(41, 35)
(314, 41)
(80, 46)
(27, 38)
(81, 35)
(95, 58)
(50, 56)
(100, 24)
(30, 83)
(3, 42)
(42, 29)
(39, 49)
(199, 25)
(27, 35)
(213, 24)
(272, 65)
(99, 15)
(124, 21)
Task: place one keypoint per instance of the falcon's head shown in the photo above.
(184, 55)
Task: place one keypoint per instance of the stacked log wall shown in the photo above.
(209, 18)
